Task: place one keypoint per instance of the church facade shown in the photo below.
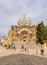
(23, 32)
(22, 38)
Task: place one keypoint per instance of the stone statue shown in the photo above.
(28, 21)
(24, 21)
(19, 21)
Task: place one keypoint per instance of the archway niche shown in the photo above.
(24, 34)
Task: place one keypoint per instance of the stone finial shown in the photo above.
(19, 21)
(24, 21)
(28, 21)
(24, 18)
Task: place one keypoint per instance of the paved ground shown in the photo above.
(22, 59)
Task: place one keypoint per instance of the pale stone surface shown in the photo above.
(45, 51)
(6, 52)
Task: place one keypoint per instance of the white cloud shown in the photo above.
(11, 10)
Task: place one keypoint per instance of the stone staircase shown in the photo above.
(18, 45)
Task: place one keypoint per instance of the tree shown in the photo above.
(41, 31)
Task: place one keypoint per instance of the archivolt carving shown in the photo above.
(24, 29)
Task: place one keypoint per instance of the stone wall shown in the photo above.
(5, 52)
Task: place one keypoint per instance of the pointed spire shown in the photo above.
(24, 18)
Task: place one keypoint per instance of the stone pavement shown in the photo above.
(22, 59)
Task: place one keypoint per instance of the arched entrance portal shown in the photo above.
(24, 34)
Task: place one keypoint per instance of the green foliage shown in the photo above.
(41, 31)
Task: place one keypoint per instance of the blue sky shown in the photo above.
(11, 10)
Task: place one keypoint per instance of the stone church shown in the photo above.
(24, 32)
(22, 37)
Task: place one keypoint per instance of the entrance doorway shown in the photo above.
(24, 39)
